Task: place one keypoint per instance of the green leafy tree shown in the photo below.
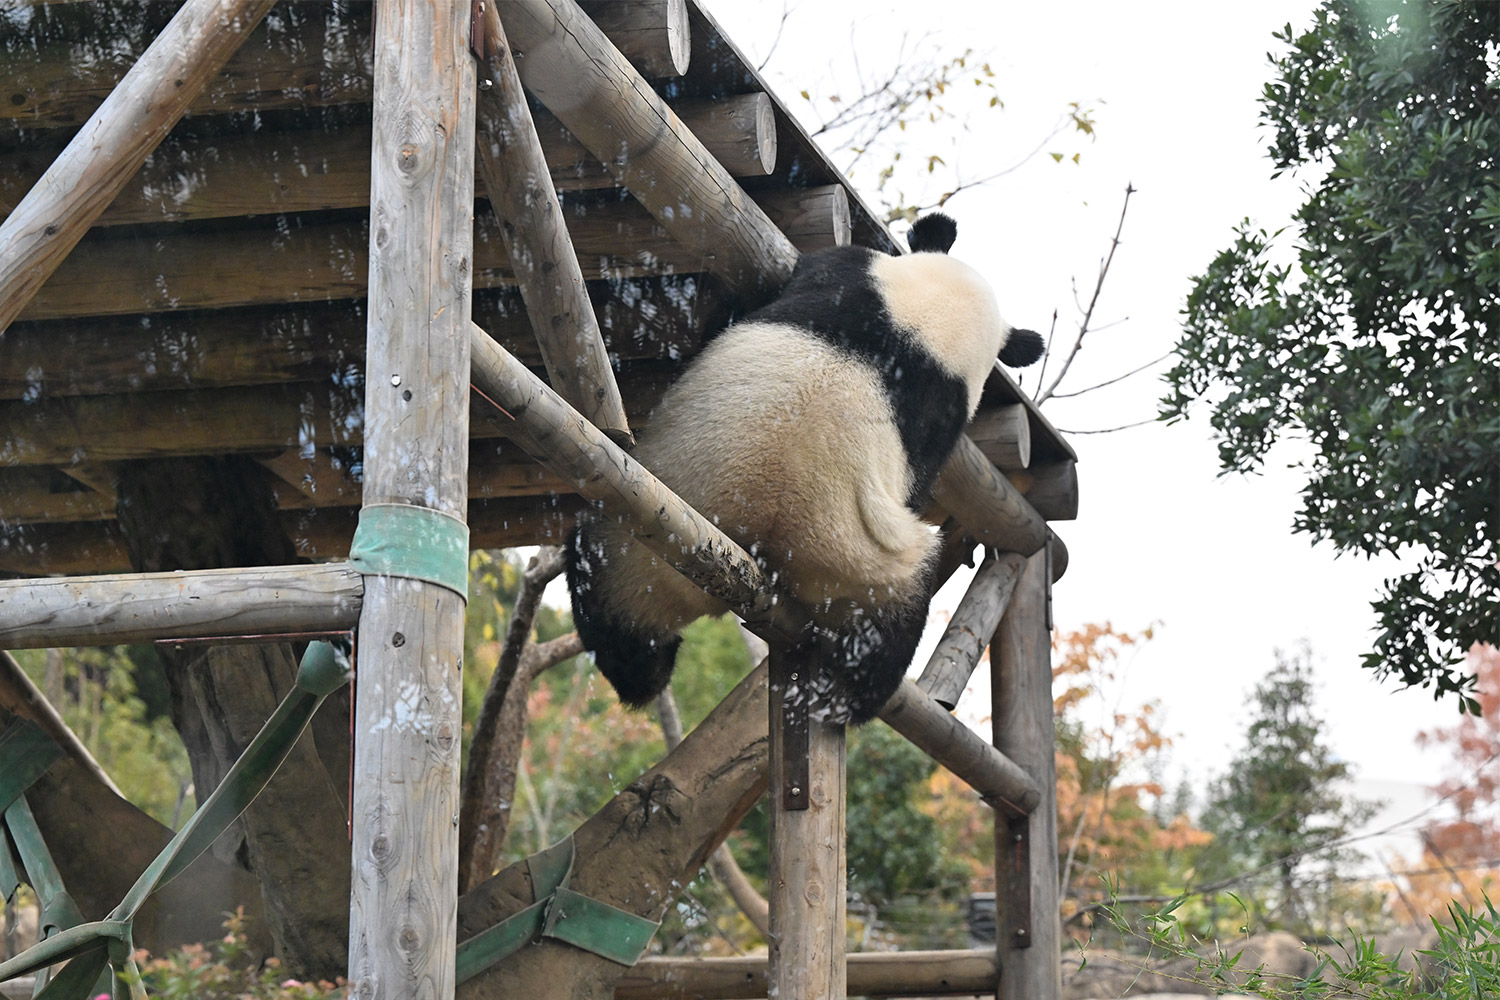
(1280, 811)
(1368, 329)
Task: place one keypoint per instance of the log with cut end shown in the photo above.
(570, 66)
(1004, 435)
(537, 243)
(652, 34)
(1051, 489)
(969, 630)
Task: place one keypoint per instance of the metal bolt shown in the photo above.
(794, 675)
(1020, 932)
(486, 84)
(395, 380)
(796, 790)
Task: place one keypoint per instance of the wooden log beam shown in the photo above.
(807, 881)
(1004, 435)
(871, 973)
(142, 607)
(265, 173)
(973, 490)
(652, 34)
(969, 630)
(558, 437)
(403, 910)
(537, 243)
(1051, 489)
(570, 66)
(651, 318)
(1026, 890)
(113, 143)
(931, 728)
(328, 260)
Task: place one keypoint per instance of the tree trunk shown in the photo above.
(206, 513)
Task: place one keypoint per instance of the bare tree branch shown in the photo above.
(1088, 313)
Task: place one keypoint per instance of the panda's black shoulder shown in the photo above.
(830, 290)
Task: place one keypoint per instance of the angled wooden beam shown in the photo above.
(932, 729)
(559, 438)
(141, 607)
(571, 67)
(969, 630)
(115, 141)
(536, 240)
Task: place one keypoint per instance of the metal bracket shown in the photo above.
(476, 29)
(1013, 908)
(789, 697)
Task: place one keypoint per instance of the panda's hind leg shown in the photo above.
(869, 655)
(635, 658)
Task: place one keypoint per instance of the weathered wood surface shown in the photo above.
(555, 435)
(65, 83)
(1004, 435)
(651, 318)
(537, 243)
(806, 885)
(113, 143)
(403, 914)
(971, 489)
(1022, 713)
(569, 65)
(264, 173)
(930, 727)
(890, 973)
(968, 633)
(1051, 489)
(652, 34)
(636, 853)
(107, 610)
(320, 261)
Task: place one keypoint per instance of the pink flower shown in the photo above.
(290, 984)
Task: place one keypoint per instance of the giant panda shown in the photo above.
(811, 433)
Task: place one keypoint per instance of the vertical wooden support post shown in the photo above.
(403, 920)
(1026, 904)
(808, 870)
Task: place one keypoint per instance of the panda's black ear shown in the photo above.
(933, 233)
(1022, 348)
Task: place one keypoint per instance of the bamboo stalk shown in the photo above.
(141, 607)
(113, 143)
(537, 242)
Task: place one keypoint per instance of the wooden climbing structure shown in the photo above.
(257, 236)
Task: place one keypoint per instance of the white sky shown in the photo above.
(1160, 538)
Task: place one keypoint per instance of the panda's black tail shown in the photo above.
(638, 662)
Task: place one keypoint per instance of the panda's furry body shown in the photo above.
(811, 433)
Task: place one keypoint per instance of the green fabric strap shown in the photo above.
(559, 913)
(415, 543)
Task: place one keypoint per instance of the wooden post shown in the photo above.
(403, 916)
(115, 141)
(1028, 929)
(970, 629)
(808, 868)
(536, 240)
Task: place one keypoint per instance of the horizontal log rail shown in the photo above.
(329, 260)
(141, 607)
(930, 727)
(891, 973)
(648, 318)
(314, 170)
